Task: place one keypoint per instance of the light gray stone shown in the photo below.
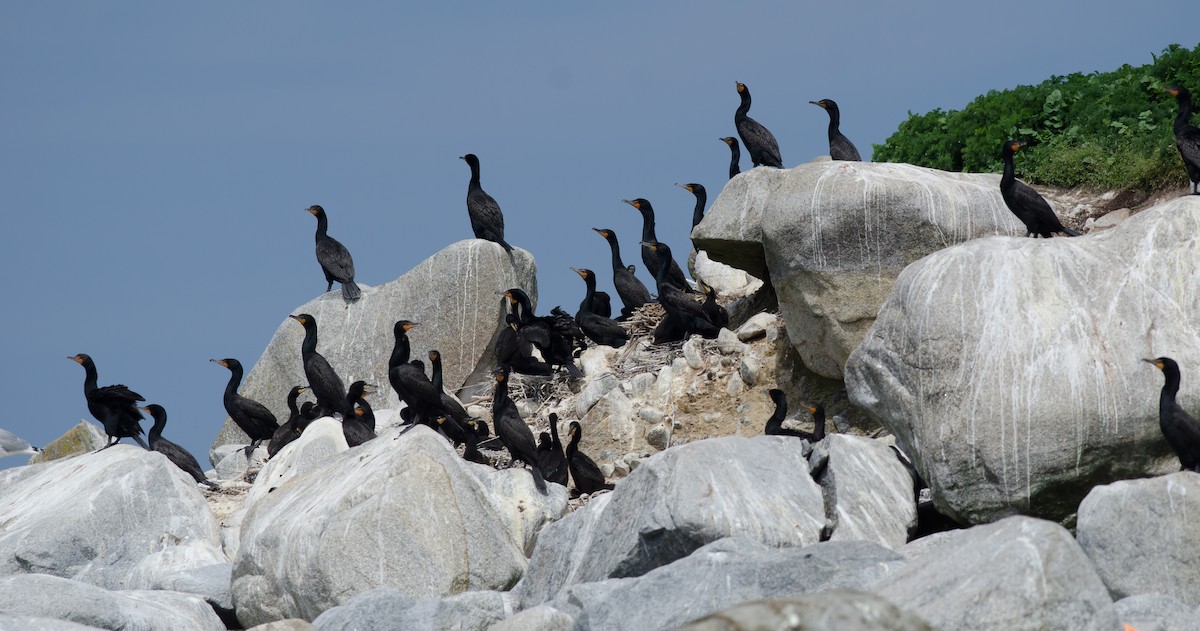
(320, 443)
(594, 361)
(835, 610)
(210, 583)
(45, 596)
(749, 369)
(1016, 574)
(84, 438)
(33, 623)
(540, 618)
(1009, 368)
(691, 353)
(383, 609)
(120, 515)
(1155, 612)
(378, 608)
(756, 327)
(1138, 533)
(232, 463)
(460, 319)
(526, 510)
(291, 624)
(730, 282)
(400, 510)
(868, 493)
(729, 344)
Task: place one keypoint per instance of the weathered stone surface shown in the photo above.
(526, 510)
(677, 501)
(1018, 573)
(1141, 534)
(835, 610)
(401, 511)
(756, 326)
(1155, 612)
(729, 282)
(45, 596)
(108, 518)
(868, 493)
(320, 443)
(210, 583)
(33, 623)
(1009, 368)
(387, 608)
(84, 438)
(459, 319)
(731, 231)
(540, 618)
(291, 624)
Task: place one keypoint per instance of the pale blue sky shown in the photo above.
(156, 157)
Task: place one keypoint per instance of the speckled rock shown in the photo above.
(85, 437)
(44, 596)
(835, 610)
(868, 493)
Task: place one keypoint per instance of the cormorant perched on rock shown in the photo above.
(471, 452)
(399, 357)
(735, 159)
(13, 445)
(701, 200)
(114, 406)
(551, 459)
(775, 423)
(598, 328)
(253, 417)
(291, 428)
(840, 147)
(512, 430)
(587, 476)
(354, 428)
(760, 143)
(685, 314)
(652, 258)
(450, 406)
(334, 258)
(516, 352)
(1187, 136)
(556, 336)
(632, 292)
(356, 395)
(1025, 203)
(487, 222)
(1178, 427)
(713, 309)
(176, 454)
(325, 383)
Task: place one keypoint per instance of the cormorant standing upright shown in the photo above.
(701, 200)
(598, 328)
(555, 336)
(1024, 202)
(760, 143)
(450, 406)
(1187, 136)
(632, 292)
(114, 406)
(588, 477)
(354, 428)
(1178, 427)
(179, 456)
(487, 222)
(334, 258)
(512, 430)
(840, 147)
(291, 428)
(650, 257)
(253, 417)
(325, 383)
(552, 460)
(735, 159)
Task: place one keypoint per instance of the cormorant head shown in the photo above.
(576, 430)
(501, 374)
(511, 321)
(827, 104)
(741, 87)
(639, 203)
(604, 232)
(691, 187)
(1163, 363)
(708, 292)
(471, 159)
(1175, 90)
(818, 410)
(435, 356)
(480, 427)
(632, 268)
(544, 443)
(440, 420)
(304, 319)
(156, 411)
(729, 140)
(583, 273)
(80, 359)
(1012, 146)
(316, 210)
(403, 326)
(228, 362)
(658, 246)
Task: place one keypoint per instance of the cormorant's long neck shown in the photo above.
(368, 415)
(90, 378)
(835, 119)
(310, 340)
(664, 270)
(436, 378)
(698, 213)
(819, 423)
(554, 441)
(235, 380)
(322, 226)
(616, 254)
(735, 160)
(292, 409)
(573, 446)
(744, 108)
(1166, 399)
(474, 183)
(1009, 176)
(160, 423)
(526, 309)
(400, 351)
(590, 282)
(1184, 117)
(648, 224)
(778, 415)
(500, 396)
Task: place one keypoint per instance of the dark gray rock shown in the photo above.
(45, 596)
(868, 493)
(835, 610)
(1018, 573)
(1155, 612)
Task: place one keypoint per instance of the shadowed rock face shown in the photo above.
(1010, 368)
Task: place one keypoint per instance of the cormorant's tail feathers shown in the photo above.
(350, 291)
(1071, 232)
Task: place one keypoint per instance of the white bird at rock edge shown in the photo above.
(12, 445)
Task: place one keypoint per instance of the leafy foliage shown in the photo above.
(1099, 130)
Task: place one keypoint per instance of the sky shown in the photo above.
(156, 158)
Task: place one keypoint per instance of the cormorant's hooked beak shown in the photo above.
(581, 273)
(1157, 364)
(632, 203)
(818, 104)
(219, 362)
(684, 187)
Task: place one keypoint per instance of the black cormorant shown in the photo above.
(632, 292)
(291, 428)
(450, 406)
(355, 428)
(516, 352)
(324, 382)
(253, 417)
(334, 258)
(487, 222)
(701, 200)
(555, 336)
(471, 451)
(552, 460)
(512, 430)
(114, 406)
(1025, 203)
(713, 309)
(596, 327)
(601, 304)
(650, 257)
(840, 147)
(356, 395)
(685, 314)
(176, 454)
(760, 144)
(734, 160)
(775, 423)
(1187, 136)
(1178, 427)
(587, 476)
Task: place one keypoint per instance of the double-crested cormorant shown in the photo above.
(556, 336)
(176, 454)
(686, 315)
(551, 459)
(701, 200)
(355, 427)
(1025, 203)
(713, 309)
(734, 160)
(1178, 427)
(650, 257)
(512, 430)
(598, 328)
(471, 452)
(601, 304)
(760, 143)
(13, 445)
(114, 406)
(487, 222)
(587, 476)
(334, 258)
(291, 428)
(775, 423)
(632, 292)
(840, 147)
(450, 406)
(324, 382)
(356, 395)
(1187, 136)
(516, 352)
(253, 417)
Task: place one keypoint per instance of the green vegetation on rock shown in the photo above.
(1097, 130)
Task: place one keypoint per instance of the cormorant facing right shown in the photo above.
(114, 406)
(775, 423)
(713, 309)
(554, 460)
(598, 328)
(334, 258)
(512, 430)
(1187, 136)
(176, 454)
(1025, 203)
(487, 222)
(652, 258)
(1178, 427)
(291, 428)
(632, 292)
(760, 143)
(588, 477)
(354, 428)
(736, 158)
(840, 147)
(325, 383)
(253, 417)
(701, 200)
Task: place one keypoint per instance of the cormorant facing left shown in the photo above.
(1187, 136)
(324, 382)
(1178, 427)
(553, 460)
(685, 314)
(840, 147)
(760, 143)
(1024, 202)
(252, 417)
(598, 328)
(334, 258)
(114, 406)
(734, 166)
(713, 309)
(356, 395)
(291, 428)
(176, 454)
(650, 257)
(487, 222)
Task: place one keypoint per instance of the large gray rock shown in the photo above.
(868, 493)
(35, 623)
(723, 574)
(835, 610)
(401, 511)
(526, 510)
(540, 618)
(459, 319)
(677, 501)
(114, 519)
(210, 583)
(45, 596)
(833, 236)
(1155, 612)
(1009, 368)
(85, 437)
(1141, 534)
(1018, 573)
(387, 608)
